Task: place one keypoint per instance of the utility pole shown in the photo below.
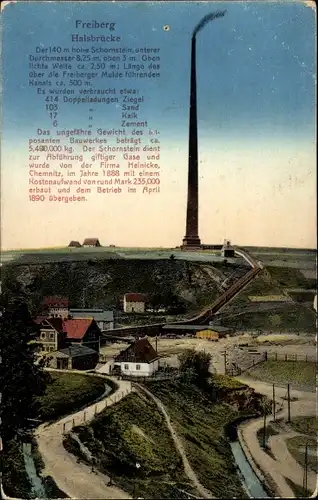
(274, 403)
(305, 480)
(264, 427)
(288, 402)
(225, 370)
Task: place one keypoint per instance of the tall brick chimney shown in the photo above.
(191, 239)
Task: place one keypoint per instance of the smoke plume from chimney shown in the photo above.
(206, 19)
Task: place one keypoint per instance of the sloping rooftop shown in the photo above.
(141, 351)
(92, 241)
(75, 351)
(56, 323)
(75, 244)
(76, 328)
(135, 297)
(55, 301)
(97, 314)
(216, 328)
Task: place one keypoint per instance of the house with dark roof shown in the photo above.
(91, 242)
(134, 302)
(58, 333)
(75, 244)
(75, 357)
(139, 359)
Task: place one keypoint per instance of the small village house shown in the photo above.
(91, 242)
(74, 357)
(57, 333)
(104, 319)
(134, 302)
(55, 307)
(199, 331)
(75, 244)
(140, 359)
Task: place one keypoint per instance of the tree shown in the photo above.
(22, 381)
(195, 366)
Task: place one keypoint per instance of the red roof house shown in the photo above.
(61, 332)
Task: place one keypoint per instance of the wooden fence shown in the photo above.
(281, 356)
(84, 416)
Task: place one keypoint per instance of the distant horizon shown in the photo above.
(176, 247)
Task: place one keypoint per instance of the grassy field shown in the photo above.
(68, 392)
(305, 425)
(298, 374)
(135, 431)
(296, 446)
(270, 431)
(202, 425)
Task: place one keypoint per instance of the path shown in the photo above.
(284, 465)
(75, 478)
(178, 444)
(288, 466)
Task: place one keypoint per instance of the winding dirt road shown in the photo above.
(76, 479)
(284, 465)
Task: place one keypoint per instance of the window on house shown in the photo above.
(137, 367)
(51, 335)
(126, 367)
(42, 335)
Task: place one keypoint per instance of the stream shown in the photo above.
(38, 488)
(250, 481)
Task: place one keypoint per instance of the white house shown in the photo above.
(139, 359)
(104, 319)
(134, 302)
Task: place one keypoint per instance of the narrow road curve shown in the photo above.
(178, 444)
(288, 466)
(283, 465)
(77, 479)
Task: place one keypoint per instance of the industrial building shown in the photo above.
(194, 330)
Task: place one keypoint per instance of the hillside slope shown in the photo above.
(102, 283)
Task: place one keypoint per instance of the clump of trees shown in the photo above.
(22, 381)
(168, 301)
(195, 365)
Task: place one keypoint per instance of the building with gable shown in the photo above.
(91, 242)
(104, 319)
(57, 333)
(139, 359)
(55, 307)
(134, 302)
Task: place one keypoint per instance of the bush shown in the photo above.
(195, 366)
